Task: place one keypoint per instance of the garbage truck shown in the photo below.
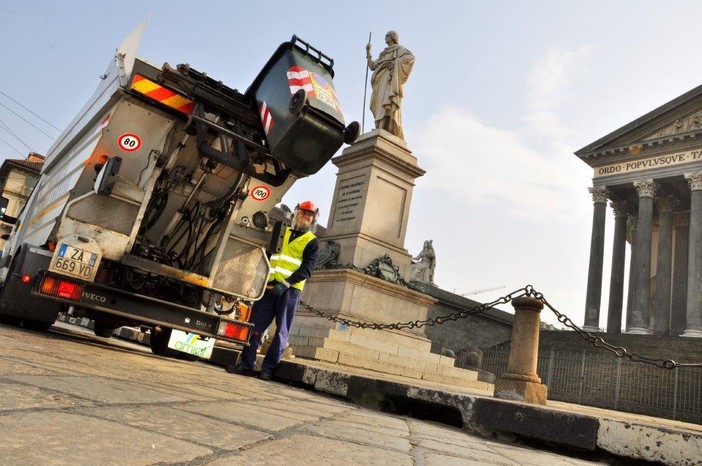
(152, 206)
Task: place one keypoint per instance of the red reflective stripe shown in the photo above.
(161, 93)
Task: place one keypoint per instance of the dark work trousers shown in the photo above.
(282, 309)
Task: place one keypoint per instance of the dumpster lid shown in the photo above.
(295, 43)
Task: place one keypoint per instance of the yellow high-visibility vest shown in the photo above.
(289, 258)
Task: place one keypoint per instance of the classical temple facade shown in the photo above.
(650, 173)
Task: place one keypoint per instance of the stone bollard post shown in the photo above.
(521, 382)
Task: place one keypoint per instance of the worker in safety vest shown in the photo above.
(289, 269)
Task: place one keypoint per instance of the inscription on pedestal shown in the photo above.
(349, 200)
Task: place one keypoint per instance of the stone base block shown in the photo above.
(520, 390)
(346, 293)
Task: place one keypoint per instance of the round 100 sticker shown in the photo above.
(129, 142)
(260, 193)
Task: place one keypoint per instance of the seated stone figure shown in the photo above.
(423, 265)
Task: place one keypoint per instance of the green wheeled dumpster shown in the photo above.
(299, 109)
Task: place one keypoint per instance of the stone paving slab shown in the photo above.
(29, 397)
(99, 389)
(306, 450)
(180, 424)
(35, 440)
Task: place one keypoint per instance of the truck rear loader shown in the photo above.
(153, 205)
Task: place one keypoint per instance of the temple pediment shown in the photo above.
(689, 124)
(678, 120)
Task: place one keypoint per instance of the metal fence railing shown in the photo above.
(605, 381)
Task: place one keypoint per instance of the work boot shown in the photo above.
(239, 370)
(265, 375)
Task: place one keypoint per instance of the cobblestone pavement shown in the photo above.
(69, 397)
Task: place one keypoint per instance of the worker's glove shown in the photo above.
(280, 288)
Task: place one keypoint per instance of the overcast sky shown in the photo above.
(501, 95)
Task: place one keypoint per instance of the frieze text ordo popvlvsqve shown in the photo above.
(645, 164)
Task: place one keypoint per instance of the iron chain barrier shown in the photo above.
(528, 290)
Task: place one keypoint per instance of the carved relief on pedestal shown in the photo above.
(381, 267)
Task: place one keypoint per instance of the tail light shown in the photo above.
(233, 330)
(239, 328)
(61, 288)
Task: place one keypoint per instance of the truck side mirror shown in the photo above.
(105, 179)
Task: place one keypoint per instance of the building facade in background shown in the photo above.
(17, 180)
(650, 173)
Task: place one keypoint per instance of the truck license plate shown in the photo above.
(76, 262)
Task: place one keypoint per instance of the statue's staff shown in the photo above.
(365, 89)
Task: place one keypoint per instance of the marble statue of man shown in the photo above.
(390, 72)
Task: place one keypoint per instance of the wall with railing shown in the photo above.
(600, 379)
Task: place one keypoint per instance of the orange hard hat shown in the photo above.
(308, 206)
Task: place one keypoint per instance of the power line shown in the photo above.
(48, 123)
(4, 126)
(28, 122)
(11, 147)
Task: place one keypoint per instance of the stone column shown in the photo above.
(693, 325)
(616, 282)
(681, 224)
(594, 274)
(521, 382)
(646, 189)
(661, 305)
(631, 225)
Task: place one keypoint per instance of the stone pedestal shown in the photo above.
(368, 220)
(372, 199)
(521, 381)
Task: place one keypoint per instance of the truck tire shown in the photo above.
(16, 301)
(4, 318)
(103, 330)
(159, 346)
(36, 325)
(9, 320)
